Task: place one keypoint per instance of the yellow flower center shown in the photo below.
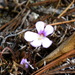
(41, 36)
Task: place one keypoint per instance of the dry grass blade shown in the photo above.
(54, 63)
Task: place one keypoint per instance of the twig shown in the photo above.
(61, 72)
(7, 48)
(69, 12)
(59, 68)
(24, 18)
(42, 2)
(57, 6)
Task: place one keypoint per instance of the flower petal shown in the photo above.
(40, 26)
(46, 42)
(24, 62)
(26, 65)
(30, 36)
(48, 30)
(36, 43)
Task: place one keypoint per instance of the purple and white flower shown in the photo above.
(40, 38)
(26, 63)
